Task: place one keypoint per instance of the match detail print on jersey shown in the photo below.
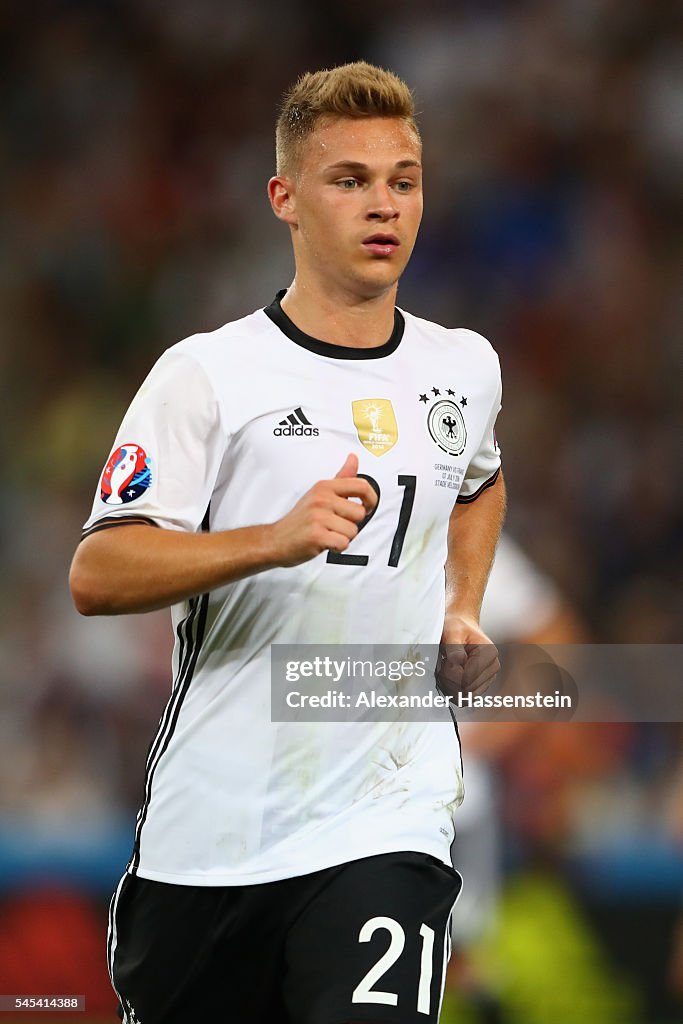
(375, 421)
(126, 476)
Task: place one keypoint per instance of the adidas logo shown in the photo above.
(295, 425)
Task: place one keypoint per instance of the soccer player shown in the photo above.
(324, 470)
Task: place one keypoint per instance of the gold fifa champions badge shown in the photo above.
(376, 424)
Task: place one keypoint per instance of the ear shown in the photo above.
(282, 195)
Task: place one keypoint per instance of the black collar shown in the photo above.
(323, 348)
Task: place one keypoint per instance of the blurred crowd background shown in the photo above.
(136, 139)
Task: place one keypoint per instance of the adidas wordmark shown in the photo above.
(296, 425)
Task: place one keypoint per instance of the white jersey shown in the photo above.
(230, 429)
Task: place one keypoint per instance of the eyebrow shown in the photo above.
(353, 165)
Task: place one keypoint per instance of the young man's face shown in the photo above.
(357, 202)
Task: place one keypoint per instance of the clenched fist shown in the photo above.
(325, 518)
(468, 660)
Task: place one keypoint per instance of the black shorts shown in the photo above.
(363, 941)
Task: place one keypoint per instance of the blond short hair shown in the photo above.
(352, 90)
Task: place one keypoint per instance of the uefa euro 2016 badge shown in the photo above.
(126, 476)
(445, 420)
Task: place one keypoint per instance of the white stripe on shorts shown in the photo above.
(447, 947)
(111, 937)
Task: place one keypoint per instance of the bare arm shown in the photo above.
(167, 566)
(170, 565)
(473, 532)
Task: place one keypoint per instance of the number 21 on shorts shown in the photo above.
(365, 992)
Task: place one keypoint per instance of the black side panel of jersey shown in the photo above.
(191, 636)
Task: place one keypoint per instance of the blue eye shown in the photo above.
(348, 184)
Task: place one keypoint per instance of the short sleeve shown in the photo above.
(167, 453)
(484, 467)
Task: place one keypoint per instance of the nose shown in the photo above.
(382, 204)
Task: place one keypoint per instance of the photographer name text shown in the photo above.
(431, 699)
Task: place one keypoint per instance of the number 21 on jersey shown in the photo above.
(409, 484)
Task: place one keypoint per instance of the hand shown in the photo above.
(326, 518)
(469, 659)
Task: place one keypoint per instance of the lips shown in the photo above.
(381, 244)
(379, 238)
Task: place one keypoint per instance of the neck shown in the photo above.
(339, 316)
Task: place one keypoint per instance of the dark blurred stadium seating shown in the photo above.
(136, 143)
